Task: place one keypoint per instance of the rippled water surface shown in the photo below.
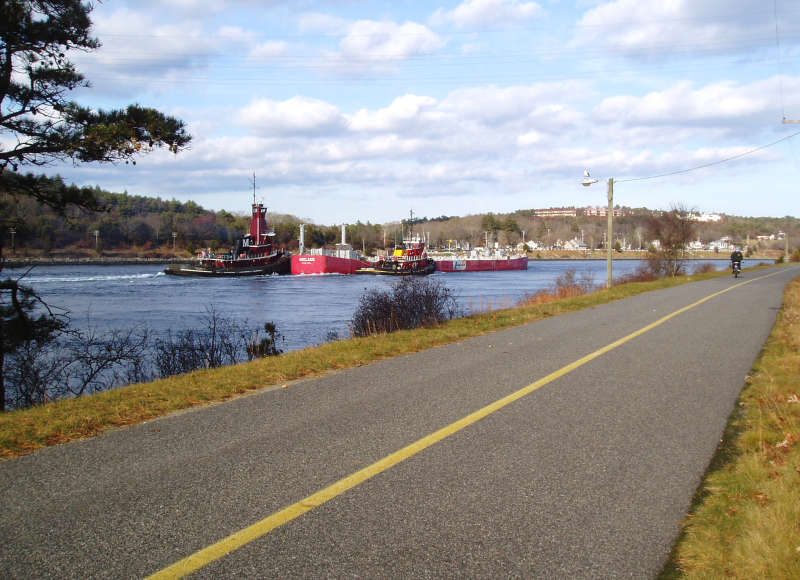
(306, 309)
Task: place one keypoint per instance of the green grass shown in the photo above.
(25, 431)
(745, 522)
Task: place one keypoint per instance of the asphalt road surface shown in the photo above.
(586, 476)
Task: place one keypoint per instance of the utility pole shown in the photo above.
(609, 249)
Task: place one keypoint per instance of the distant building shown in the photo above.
(722, 244)
(705, 217)
(556, 212)
(601, 211)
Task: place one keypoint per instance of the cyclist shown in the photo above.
(736, 257)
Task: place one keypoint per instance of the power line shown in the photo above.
(718, 162)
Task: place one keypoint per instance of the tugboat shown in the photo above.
(253, 255)
(410, 260)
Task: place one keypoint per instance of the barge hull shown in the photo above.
(308, 264)
(478, 265)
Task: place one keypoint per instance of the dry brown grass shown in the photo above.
(748, 522)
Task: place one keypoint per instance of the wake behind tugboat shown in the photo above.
(254, 254)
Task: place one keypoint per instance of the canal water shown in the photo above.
(307, 310)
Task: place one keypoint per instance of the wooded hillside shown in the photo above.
(145, 226)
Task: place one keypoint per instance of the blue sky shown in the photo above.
(350, 110)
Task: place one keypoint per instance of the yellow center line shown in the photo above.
(259, 529)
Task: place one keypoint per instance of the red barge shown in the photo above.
(341, 260)
(479, 261)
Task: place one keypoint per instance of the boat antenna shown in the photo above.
(411, 225)
(254, 188)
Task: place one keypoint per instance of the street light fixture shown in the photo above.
(587, 181)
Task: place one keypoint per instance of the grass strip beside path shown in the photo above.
(25, 431)
(746, 518)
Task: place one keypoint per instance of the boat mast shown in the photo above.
(254, 188)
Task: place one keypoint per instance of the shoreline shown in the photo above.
(546, 256)
(110, 261)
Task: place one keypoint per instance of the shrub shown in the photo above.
(674, 230)
(409, 303)
(568, 285)
(221, 341)
(644, 273)
(260, 347)
(706, 268)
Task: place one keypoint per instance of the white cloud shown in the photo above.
(316, 22)
(298, 115)
(236, 34)
(482, 13)
(494, 105)
(683, 104)
(403, 112)
(269, 50)
(654, 27)
(138, 50)
(371, 44)
(530, 138)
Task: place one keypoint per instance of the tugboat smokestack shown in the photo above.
(302, 248)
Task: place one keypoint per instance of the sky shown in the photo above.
(347, 110)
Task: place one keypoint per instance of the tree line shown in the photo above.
(146, 225)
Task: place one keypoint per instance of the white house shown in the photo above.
(722, 244)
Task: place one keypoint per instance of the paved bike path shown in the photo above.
(587, 476)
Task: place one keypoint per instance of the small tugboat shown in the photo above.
(253, 255)
(410, 260)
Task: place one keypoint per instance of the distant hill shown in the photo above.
(145, 225)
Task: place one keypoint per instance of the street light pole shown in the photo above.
(587, 181)
(610, 258)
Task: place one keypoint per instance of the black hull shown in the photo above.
(281, 266)
(428, 269)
